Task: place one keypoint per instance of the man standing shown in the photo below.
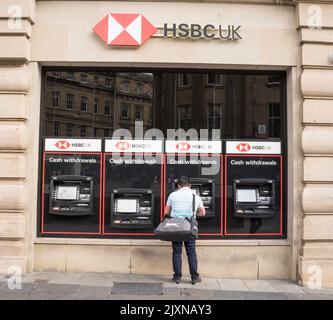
(180, 205)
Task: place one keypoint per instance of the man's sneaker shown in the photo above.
(176, 280)
(196, 280)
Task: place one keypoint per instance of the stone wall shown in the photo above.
(316, 45)
(15, 82)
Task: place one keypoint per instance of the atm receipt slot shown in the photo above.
(71, 195)
(254, 198)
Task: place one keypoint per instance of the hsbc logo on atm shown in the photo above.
(243, 147)
(64, 145)
(123, 145)
(183, 146)
(134, 29)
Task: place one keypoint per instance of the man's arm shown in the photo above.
(168, 207)
(167, 210)
(201, 209)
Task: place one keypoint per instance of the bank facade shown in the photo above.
(89, 91)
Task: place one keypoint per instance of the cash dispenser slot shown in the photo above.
(205, 189)
(254, 198)
(71, 195)
(132, 208)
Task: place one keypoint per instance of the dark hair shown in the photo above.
(183, 181)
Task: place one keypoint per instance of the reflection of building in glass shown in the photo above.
(87, 104)
(241, 106)
(94, 104)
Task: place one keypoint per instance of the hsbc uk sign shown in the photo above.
(76, 145)
(193, 147)
(253, 147)
(143, 146)
(134, 29)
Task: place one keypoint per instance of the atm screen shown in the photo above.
(246, 195)
(67, 192)
(126, 205)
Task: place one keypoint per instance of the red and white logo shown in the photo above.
(183, 146)
(62, 144)
(123, 145)
(124, 29)
(243, 147)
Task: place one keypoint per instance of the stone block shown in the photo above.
(13, 106)
(318, 169)
(316, 55)
(12, 196)
(14, 78)
(317, 83)
(318, 198)
(14, 48)
(316, 111)
(12, 225)
(12, 165)
(317, 140)
(318, 227)
(13, 136)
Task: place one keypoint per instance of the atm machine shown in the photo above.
(254, 198)
(205, 189)
(71, 195)
(132, 208)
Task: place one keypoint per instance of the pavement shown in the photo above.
(101, 286)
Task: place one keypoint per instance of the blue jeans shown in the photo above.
(191, 256)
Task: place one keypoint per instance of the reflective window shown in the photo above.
(241, 105)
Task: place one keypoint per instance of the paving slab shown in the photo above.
(66, 278)
(129, 288)
(173, 291)
(96, 280)
(92, 293)
(229, 295)
(318, 291)
(294, 296)
(200, 293)
(264, 296)
(232, 285)
(286, 286)
(259, 286)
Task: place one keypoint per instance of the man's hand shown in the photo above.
(201, 212)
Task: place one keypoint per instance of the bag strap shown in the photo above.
(193, 204)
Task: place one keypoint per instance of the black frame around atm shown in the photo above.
(284, 134)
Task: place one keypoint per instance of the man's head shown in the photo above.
(183, 182)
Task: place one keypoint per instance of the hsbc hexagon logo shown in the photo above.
(124, 29)
(123, 145)
(183, 146)
(243, 147)
(62, 144)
